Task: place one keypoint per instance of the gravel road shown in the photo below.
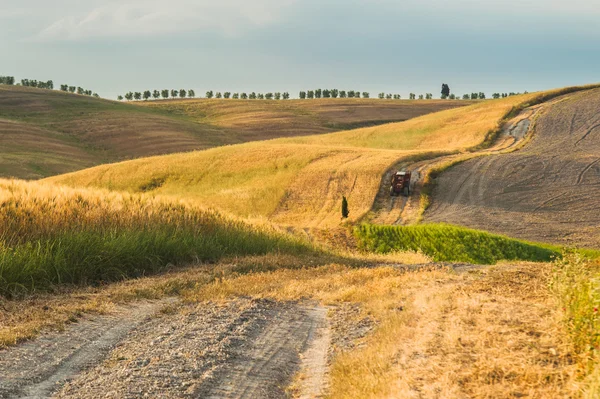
(244, 348)
(37, 368)
(547, 191)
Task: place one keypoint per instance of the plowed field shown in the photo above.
(548, 191)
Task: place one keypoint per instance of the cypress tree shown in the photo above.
(345, 211)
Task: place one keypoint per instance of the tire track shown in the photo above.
(585, 170)
(36, 369)
(587, 134)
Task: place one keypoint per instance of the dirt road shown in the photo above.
(239, 349)
(547, 191)
(405, 210)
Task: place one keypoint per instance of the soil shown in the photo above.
(547, 191)
(243, 348)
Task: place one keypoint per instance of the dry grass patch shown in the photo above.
(489, 333)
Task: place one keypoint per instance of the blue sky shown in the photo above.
(396, 46)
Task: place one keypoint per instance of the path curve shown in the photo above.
(389, 210)
(546, 191)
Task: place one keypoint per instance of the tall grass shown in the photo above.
(576, 284)
(444, 242)
(53, 235)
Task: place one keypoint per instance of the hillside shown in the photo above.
(550, 186)
(259, 120)
(300, 181)
(45, 133)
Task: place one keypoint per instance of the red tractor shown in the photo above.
(400, 184)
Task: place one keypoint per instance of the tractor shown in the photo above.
(400, 184)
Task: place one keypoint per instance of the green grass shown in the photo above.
(51, 236)
(95, 256)
(446, 243)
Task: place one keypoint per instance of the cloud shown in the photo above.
(525, 7)
(156, 17)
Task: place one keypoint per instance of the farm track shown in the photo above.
(239, 349)
(547, 191)
(405, 210)
(35, 369)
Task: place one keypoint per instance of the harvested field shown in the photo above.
(547, 191)
(47, 132)
(259, 120)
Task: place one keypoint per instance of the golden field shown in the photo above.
(300, 181)
(434, 331)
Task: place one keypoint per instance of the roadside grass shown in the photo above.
(23, 317)
(444, 242)
(55, 235)
(576, 284)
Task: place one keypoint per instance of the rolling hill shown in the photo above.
(45, 133)
(550, 186)
(300, 181)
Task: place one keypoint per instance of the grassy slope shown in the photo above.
(450, 243)
(300, 181)
(44, 133)
(51, 236)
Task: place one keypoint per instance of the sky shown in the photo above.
(392, 46)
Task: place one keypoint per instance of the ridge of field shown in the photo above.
(301, 181)
(47, 132)
(549, 186)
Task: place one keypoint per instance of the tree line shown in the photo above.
(156, 94)
(78, 90)
(49, 85)
(7, 80)
(249, 96)
(182, 93)
(332, 93)
(308, 94)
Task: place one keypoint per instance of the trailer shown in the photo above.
(400, 184)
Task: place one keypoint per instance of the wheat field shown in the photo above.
(299, 181)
